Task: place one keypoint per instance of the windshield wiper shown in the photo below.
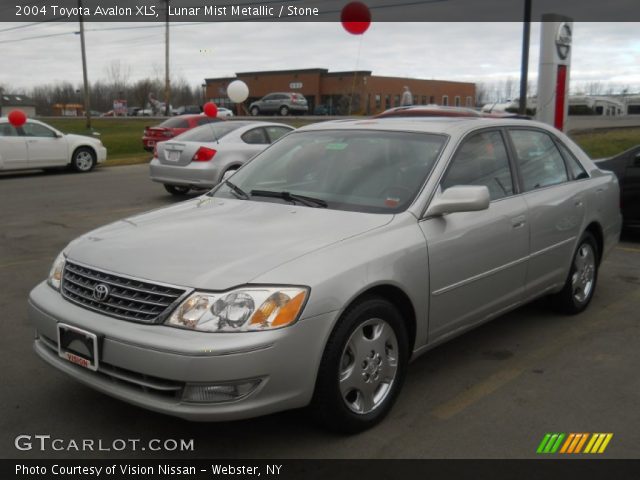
(237, 190)
(291, 197)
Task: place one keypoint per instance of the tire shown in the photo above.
(363, 367)
(580, 285)
(177, 190)
(283, 111)
(83, 160)
(255, 111)
(228, 172)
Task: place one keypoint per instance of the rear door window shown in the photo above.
(575, 168)
(256, 136)
(8, 130)
(540, 161)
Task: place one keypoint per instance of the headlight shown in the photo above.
(55, 275)
(242, 310)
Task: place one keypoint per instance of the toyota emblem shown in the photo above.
(101, 292)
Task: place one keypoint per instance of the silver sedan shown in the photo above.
(315, 273)
(203, 156)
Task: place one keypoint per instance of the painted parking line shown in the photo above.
(629, 249)
(22, 262)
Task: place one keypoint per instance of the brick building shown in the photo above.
(357, 91)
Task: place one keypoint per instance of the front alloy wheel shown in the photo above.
(83, 160)
(362, 368)
(368, 366)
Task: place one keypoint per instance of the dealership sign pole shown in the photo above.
(553, 74)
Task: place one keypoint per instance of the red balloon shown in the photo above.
(17, 118)
(210, 109)
(355, 18)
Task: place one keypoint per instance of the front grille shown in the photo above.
(128, 299)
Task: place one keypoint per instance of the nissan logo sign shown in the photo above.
(101, 292)
(563, 40)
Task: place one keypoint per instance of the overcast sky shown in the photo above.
(474, 52)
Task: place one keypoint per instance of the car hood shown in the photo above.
(82, 138)
(213, 243)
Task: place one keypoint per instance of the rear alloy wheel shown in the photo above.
(284, 111)
(83, 160)
(363, 367)
(255, 111)
(581, 283)
(177, 189)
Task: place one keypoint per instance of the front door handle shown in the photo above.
(518, 222)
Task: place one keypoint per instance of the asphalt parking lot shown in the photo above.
(492, 393)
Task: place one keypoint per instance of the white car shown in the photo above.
(224, 113)
(38, 145)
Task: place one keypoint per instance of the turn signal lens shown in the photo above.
(204, 154)
(278, 310)
(55, 274)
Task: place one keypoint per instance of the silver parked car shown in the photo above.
(280, 103)
(203, 156)
(315, 273)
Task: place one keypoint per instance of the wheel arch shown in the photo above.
(595, 229)
(78, 147)
(400, 300)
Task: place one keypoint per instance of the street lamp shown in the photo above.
(204, 93)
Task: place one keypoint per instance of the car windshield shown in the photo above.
(356, 170)
(208, 133)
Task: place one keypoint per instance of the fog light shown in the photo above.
(222, 392)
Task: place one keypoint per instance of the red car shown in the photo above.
(172, 127)
(440, 111)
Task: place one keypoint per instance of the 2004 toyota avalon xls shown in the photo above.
(318, 270)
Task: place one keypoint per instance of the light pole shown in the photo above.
(87, 107)
(522, 110)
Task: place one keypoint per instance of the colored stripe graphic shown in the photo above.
(550, 443)
(573, 443)
(598, 442)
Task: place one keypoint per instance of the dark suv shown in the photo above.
(281, 103)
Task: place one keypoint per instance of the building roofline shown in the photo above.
(284, 72)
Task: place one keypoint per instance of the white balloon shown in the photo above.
(237, 91)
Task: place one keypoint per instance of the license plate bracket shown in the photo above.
(78, 346)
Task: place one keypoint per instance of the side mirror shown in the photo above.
(58, 135)
(461, 198)
(636, 160)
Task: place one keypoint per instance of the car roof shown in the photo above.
(441, 111)
(438, 125)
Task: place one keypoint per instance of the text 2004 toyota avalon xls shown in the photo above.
(316, 272)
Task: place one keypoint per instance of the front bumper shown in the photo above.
(101, 154)
(194, 175)
(149, 365)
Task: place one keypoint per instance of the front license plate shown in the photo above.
(78, 346)
(151, 143)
